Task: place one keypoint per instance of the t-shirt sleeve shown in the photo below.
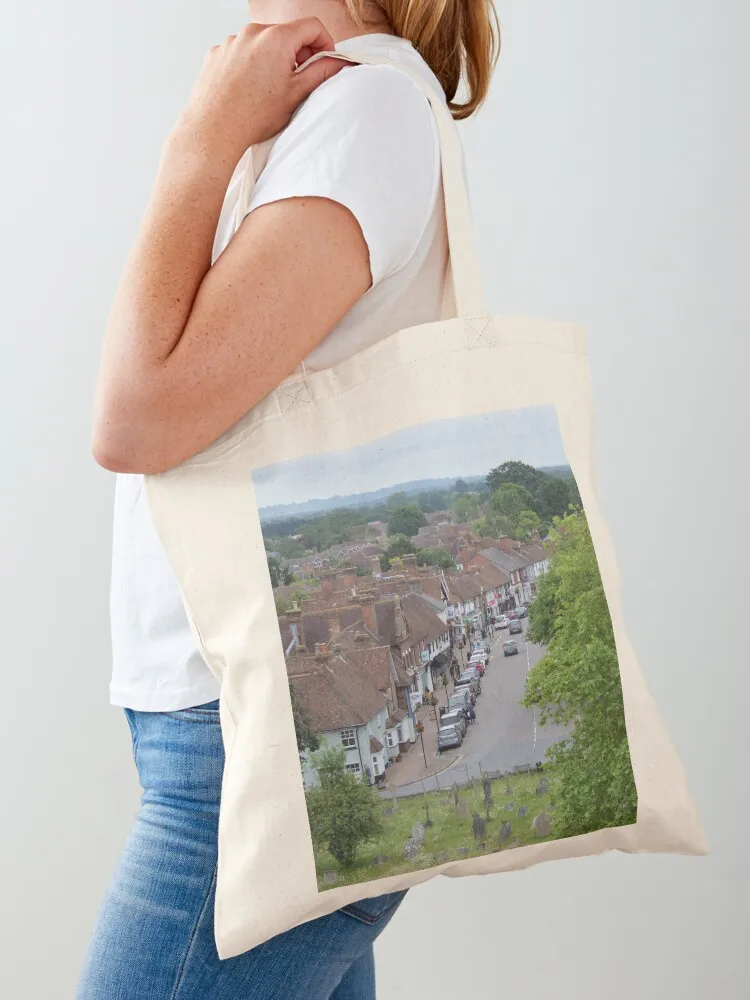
(365, 139)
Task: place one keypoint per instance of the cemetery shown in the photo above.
(421, 831)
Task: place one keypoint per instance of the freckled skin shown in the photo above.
(191, 348)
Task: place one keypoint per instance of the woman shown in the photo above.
(344, 224)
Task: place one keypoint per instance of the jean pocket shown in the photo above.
(372, 911)
(199, 713)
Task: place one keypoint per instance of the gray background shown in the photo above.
(609, 178)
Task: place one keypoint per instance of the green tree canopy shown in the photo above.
(578, 681)
(435, 557)
(514, 472)
(307, 738)
(344, 812)
(396, 500)
(461, 486)
(465, 508)
(511, 499)
(406, 520)
(553, 497)
(398, 545)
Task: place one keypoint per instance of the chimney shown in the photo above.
(505, 544)
(367, 604)
(327, 578)
(294, 617)
(350, 577)
(375, 565)
(410, 565)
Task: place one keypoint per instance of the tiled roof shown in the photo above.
(375, 745)
(422, 621)
(396, 716)
(333, 695)
(510, 562)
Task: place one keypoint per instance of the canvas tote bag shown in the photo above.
(349, 662)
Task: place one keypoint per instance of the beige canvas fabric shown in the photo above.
(206, 515)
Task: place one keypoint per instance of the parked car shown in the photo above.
(457, 719)
(481, 646)
(478, 663)
(522, 611)
(503, 621)
(470, 680)
(515, 627)
(510, 648)
(473, 670)
(448, 738)
(460, 698)
(511, 615)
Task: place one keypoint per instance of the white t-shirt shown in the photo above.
(366, 139)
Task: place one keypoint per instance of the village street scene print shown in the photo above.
(448, 646)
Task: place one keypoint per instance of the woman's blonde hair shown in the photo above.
(458, 39)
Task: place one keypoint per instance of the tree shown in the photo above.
(510, 500)
(398, 545)
(274, 571)
(344, 812)
(307, 738)
(461, 486)
(527, 522)
(465, 508)
(553, 497)
(435, 557)
(406, 520)
(396, 500)
(514, 472)
(578, 681)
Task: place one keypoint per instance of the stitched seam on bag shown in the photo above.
(238, 441)
(291, 395)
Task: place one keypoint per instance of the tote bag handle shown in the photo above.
(464, 261)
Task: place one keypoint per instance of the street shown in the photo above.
(505, 735)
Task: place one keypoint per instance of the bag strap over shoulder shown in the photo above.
(464, 261)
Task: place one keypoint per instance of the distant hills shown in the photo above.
(373, 499)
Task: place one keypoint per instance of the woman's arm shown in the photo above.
(190, 348)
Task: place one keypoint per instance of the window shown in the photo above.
(348, 738)
(375, 765)
(354, 768)
(391, 738)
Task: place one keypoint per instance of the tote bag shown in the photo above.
(432, 503)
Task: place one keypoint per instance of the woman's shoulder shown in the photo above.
(379, 97)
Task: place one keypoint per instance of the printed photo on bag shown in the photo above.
(450, 655)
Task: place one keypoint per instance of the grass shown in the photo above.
(450, 838)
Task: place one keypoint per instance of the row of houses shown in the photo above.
(362, 651)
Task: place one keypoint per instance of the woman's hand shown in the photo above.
(247, 89)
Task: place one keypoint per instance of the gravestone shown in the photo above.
(428, 821)
(478, 828)
(462, 850)
(523, 811)
(463, 808)
(543, 787)
(505, 831)
(381, 859)
(541, 825)
(329, 878)
(487, 786)
(509, 807)
(417, 834)
(410, 850)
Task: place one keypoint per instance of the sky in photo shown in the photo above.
(469, 446)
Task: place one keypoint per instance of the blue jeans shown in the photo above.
(155, 939)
